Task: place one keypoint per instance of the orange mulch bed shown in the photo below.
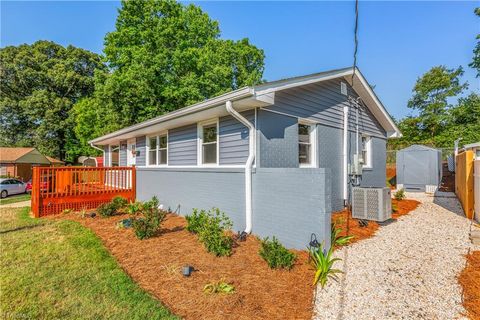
(391, 174)
(470, 281)
(155, 264)
(351, 226)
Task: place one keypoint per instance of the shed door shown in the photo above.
(416, 167)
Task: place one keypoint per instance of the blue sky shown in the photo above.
(398, 41)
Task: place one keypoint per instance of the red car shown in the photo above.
(43, 186)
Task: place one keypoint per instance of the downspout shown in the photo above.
(345, 155)
(95, 147)
(248, 164)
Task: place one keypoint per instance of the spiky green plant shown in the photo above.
(400, 194)
(336, 239)
(322, 260)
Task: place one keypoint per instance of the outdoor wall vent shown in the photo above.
(343, 88)
(372, 204)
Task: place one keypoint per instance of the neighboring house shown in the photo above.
(275, 157)
(18, 162)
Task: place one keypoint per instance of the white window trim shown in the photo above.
(200, 126)
(313, 144)
(367, 163)
(147, 148)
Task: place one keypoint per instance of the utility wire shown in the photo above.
(355, 40)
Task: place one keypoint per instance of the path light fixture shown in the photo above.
(187, 270)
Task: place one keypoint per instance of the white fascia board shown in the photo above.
(234, 95)
(391, 128)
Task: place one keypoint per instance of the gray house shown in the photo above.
(277, 158)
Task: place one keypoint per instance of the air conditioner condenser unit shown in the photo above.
(371, 204)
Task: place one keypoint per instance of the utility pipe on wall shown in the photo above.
(345, 154)
(248, 164)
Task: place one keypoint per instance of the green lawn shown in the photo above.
(60, 270)
(13, 199)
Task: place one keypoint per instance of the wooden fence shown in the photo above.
(464, 181)
(476, 187)
(55, 189)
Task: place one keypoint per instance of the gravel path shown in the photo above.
(406, 271)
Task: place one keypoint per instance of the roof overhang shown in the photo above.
(252, 97)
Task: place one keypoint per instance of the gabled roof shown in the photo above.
(24, 155)
(8, 155)
(261, 95)
(54, 161)
(418, 147)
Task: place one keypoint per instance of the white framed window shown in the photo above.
(367, 151)
(208, 143)
(157, 150)
(114, 155)
(307, 155)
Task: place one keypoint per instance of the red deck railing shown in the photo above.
(55, 189)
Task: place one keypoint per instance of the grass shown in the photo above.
(13, 199)
(53, 269)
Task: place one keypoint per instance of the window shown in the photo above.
(306, 145)
(114, 155)
(367, 151)
(152, 151)
(157, 150)
(208, 143)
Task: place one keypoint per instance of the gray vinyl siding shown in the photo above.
(140, 146)
(277, 140)
(377, 175)
(182, 146)
(322, 102)
(122, 154)
(233, 137)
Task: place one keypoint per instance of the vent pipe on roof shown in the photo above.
(248, 164)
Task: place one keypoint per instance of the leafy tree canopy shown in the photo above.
(39, 85)
(439, 123)
(476, 52)
(163, 56)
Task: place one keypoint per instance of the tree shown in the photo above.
(430, 96)
(164, 56)
(476, 52)
(39, 85)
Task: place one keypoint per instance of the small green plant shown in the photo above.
(394, 207)
(276, 255)
(107, 209)
(146, 226)
(336, 239)
(211, 227)
(219, 287)
(400, 194)
(134, 208)
(196, 220)
(83, 213)
(119, 202)
(322, 260)
(67, 211)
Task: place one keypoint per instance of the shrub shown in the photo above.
(323, 261)
(146, 226)
(210, 227)
(134, 207)
(276, 255)
(196, 220)
(400, 194)
(219, 287)
(336, 239)
(107, 209)
(119, 202)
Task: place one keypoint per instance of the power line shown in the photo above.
(355, 36)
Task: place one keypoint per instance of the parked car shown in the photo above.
(43, 185)
(11, 186)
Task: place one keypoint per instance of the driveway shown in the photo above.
(407, 270)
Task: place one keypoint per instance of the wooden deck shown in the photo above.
(55, 189)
